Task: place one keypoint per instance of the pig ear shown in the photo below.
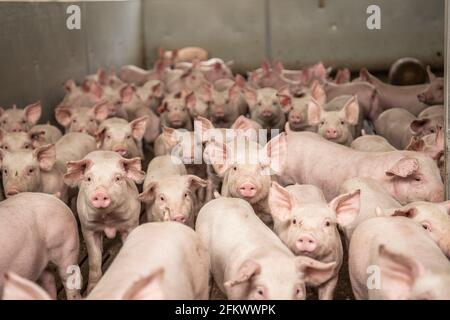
(70, 85)
(195, 182)
(398, 274)
(285, 99)
(158, 89)
(205, 92)
(147, 288)
(148, 195)
(404, 167)
(100, 135)
(431, 75)
(127, 92)
(46, 156)
(278, 67)
(247, 270)
(133, 170)
(364, 75)
(33, 112)
(276, 152)
(202, 125)
(234, 92)
(416, 144)
(18, 288)
(351, 110)
(138, 127)
(318, 93)
(314, 111)
(251, 97)
(342, 76)
(75, 171)
(96, 89)
(417, 126)
(219, 157)
(63, 115)
(281, 202)
(191, 100)
(346, 206)
(315, 272)
(408, 212)
(101, 110)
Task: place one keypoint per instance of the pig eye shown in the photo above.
(128, 137)
(118, 178)
(322, 122)
(161, 198)
(274, 103)
(89, 179)
(432, 131)
(418, 178)
(27, 146)
(186, 195)
(235, 168)
(91, 120)
(4, 121)
(24, 121)
(294, 221)
(342, 122)
(108, 136)
(5, 147)
(227, 101)
(74, 121)
(426, 226)
(260, 292)
(30, 171)
(327, 223)
(5, 172)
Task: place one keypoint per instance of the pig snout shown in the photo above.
(16, 129)
(247, 190)
(100, 200)
(179, 218)
(306, 243)
(267, 113)
(219, 113)
(121, 150)
(331, 133)
(296, 118)
(11, 192)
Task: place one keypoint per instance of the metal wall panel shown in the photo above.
(231, 29)
(336, 32)
(38, 53)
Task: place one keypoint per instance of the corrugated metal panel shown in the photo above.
(232, 29)
(39, 53)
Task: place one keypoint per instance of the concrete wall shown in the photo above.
(299, 32)
(38, 53)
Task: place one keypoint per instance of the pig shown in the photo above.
(42, 134)
(188, 80)
(140, 272)
(396, 126)
(372, 143)
(16, 120)
(216, 69)
(433, 111)
(71, 147)
(133, 98)
(411, 265)
(137, 108)
(121, 136)
(138, 76)
(342, 76)
(79, 96)
(37, 229)
(107, 201)
(296, 106)
(226, 105)
(82, 119)
(14, 141)
(433, 217)
(272, 77)
(151, 92)
(32, 171)
(405, 97)
(368, 97)
(265, 108)
(434, 92)
(169, 193)
(373, 197)
(307, 225)
(408, 176)
(175, 111)
(186, 54)
(337, 126)
(247, 169)
(241, 264)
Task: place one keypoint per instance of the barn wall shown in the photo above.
(299, 32)
(38, 53)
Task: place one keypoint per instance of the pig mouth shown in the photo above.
(11, 192)
(176, 122)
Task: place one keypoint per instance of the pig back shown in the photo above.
(73, 146)
(185, 262)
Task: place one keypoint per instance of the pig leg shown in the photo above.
(47, 282)
(326, 291)
(65, 258)
(94, 248)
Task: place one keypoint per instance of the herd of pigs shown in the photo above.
(355, 165)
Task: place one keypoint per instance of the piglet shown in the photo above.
(169, 192)
(307, 225)
(15, 119)
(42, 134)
(175, 111)
(14, 141)
(36, 229)
(265, 108)
(107, 201)
(241, 264)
